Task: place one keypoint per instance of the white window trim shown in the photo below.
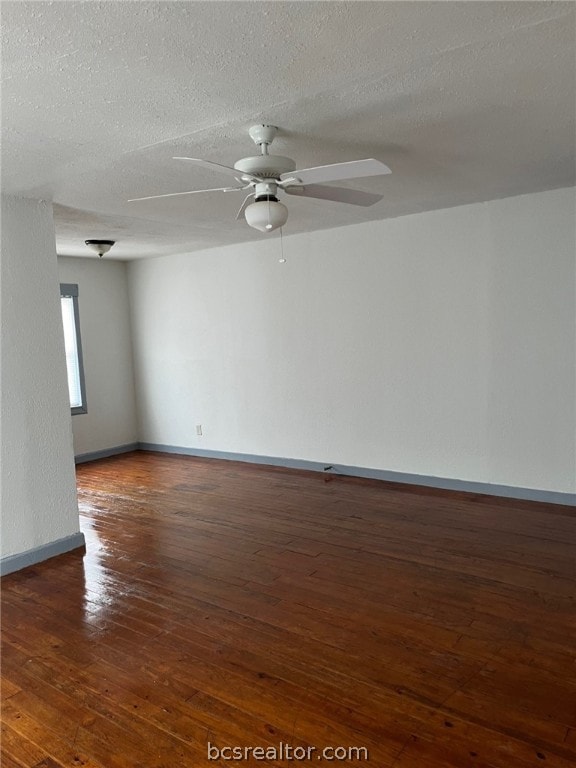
(70, 290)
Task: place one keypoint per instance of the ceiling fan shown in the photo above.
(266, 175)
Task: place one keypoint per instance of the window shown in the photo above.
(73, 346)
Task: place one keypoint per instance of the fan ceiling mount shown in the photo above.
(267, 175)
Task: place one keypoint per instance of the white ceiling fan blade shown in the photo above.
(219, 168)
(355, 169)
(337, 194)
(191, 192)
(244, 205)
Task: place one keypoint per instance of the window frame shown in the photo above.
(70, 291)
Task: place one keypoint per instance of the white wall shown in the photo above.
(38, 481)
(107, 353)
(437, 344)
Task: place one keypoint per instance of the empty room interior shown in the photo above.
(288, 384)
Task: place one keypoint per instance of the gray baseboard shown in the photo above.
(13, 563)
(81, 458)
(428, 481)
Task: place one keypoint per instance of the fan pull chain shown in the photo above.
(281, 260)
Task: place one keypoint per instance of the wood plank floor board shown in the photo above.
(248, 605)
(65, 752)
(18, 750)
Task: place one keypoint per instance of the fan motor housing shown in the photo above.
(265, 166)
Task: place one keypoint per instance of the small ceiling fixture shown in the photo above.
(100, 246)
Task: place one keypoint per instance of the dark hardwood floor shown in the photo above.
(250, 606)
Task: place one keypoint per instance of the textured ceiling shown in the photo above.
(465, 101)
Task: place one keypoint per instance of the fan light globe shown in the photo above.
(266, 215)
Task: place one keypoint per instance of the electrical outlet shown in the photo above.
(199, 429)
